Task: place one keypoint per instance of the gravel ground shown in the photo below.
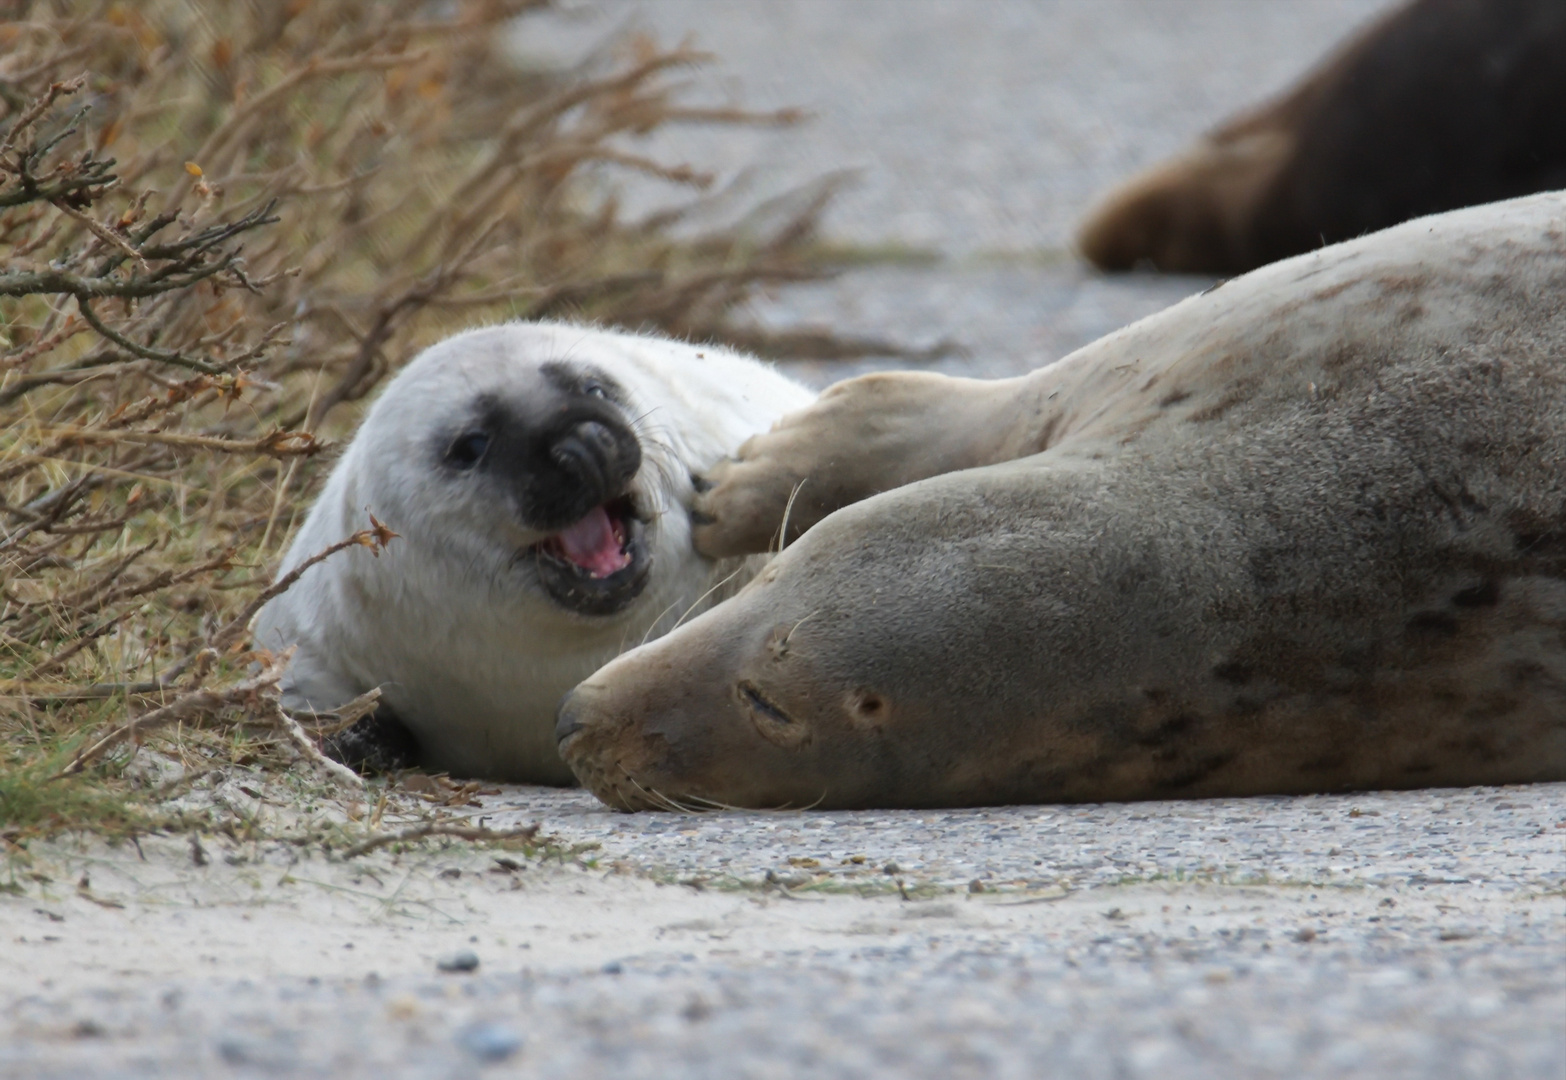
(1375, 935)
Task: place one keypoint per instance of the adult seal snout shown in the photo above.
(1304, 532)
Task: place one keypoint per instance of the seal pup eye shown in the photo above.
(595, 389)
(467, 450)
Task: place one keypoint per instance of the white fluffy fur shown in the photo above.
(471, 654)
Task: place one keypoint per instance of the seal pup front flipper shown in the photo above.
(375, 743)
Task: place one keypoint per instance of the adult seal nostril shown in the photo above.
(567, 721)
(578, 708)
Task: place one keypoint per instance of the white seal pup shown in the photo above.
(540, 479)
(1303, 532)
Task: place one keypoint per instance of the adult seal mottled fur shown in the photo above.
(540, 479)
(1303, 532)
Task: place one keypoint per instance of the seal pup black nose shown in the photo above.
(595, 457)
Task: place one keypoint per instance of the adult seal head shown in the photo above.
(1304, 532)
(539, 479)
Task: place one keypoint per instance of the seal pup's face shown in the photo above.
(561, 461)
(524, 471)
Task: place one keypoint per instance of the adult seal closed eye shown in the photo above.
(1304, 532)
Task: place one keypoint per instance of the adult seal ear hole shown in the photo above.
(867, 708)
(539, 478)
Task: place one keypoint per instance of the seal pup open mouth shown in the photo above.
(599, 564)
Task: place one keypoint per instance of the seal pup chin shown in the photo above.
(539, 478)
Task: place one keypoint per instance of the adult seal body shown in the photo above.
(539, 477)
(1304, 532)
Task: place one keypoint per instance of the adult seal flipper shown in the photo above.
(1306, 532)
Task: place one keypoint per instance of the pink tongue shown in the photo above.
(591, 544)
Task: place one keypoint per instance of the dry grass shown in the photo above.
(222, 225)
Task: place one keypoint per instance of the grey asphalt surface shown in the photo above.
(1418, 934)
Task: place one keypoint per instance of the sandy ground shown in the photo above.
(1370, 935)
(1377, 935)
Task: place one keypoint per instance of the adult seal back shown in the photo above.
(1304, 532)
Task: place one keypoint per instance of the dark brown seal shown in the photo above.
(1304, 532)
(1439, 105)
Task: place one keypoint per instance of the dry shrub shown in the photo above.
(222, 225)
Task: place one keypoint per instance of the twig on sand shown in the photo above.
(433, 828)
(308, 747)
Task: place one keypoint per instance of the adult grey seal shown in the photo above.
(539, 477)
(1437, 105)
(1303, 532)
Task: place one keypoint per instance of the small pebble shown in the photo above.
(463, 960)
(490, 1041)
